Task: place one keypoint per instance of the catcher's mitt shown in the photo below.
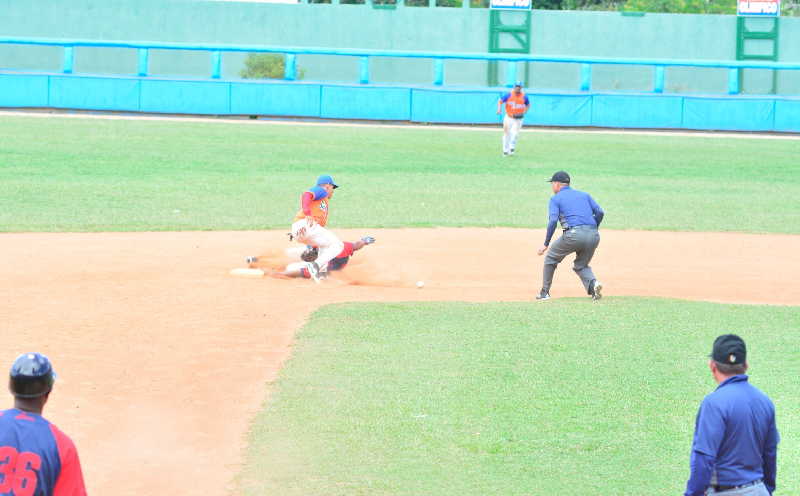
(311, 254)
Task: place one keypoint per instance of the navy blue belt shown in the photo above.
(583, 226)
(729, 488)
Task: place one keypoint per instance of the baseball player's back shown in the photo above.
(36, 458)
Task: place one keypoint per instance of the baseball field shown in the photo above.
(177, 378)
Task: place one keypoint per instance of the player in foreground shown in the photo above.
(36, 458)
(309, 225)
(311, 253)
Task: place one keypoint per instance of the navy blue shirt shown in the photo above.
(735, 438)
(572, 208)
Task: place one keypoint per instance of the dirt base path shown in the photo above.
(163, 356)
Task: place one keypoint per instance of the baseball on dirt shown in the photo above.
(420, 284)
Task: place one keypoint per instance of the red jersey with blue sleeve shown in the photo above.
(36, 458)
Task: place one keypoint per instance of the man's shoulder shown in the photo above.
(571, 192)
(756, 393)
(734, 392)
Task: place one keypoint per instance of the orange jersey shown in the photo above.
(319, 208)
(515, 104)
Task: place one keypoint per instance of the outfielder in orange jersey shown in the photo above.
(516, 104)
(309, 225)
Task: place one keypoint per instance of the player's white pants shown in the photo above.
(511, 128)
(327, 242)
(295, 269)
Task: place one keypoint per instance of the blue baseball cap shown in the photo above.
(326, 179)
(518, 83)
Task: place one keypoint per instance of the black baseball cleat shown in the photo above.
(251, 260)
(543, 295)
(595, 289)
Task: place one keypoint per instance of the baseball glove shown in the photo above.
(310, 254)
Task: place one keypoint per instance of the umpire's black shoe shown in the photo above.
(595, 288)
(543, 295)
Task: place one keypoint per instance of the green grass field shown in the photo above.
(121, 175)
(564, 397)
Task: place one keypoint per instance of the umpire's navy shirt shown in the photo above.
(574, 208)
(736, 427)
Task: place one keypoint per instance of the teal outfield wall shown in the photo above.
(599, 34)
(178, 80)
(416, 104)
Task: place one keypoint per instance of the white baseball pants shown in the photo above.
(327, 242)
(511, 128)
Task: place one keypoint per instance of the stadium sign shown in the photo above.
(770, 8)
(511, 4)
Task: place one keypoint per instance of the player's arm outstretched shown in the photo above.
(361, 243)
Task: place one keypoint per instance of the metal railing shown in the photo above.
(438, 59)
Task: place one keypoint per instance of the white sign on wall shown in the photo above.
(511, 4)
(770, 8)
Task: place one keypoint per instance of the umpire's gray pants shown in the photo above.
(581, 240)
(756, 490)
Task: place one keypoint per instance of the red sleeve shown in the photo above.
(346, 251)
(308, 197)
(70, 479)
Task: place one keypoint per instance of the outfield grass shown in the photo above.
(565, 397)
(121, 175)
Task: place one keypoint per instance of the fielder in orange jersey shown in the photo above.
(516, 104)
(309, 225)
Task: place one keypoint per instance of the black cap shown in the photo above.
(560, 177)
(31, 375)
(730, 349)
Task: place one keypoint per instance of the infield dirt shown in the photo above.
(163, 356)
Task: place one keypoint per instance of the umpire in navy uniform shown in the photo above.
(735, 445)
(580, 216)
